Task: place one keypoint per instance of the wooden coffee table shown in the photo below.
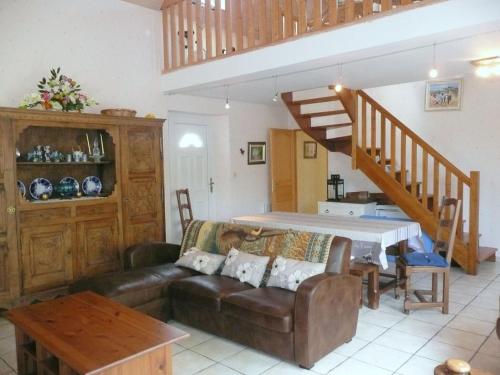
(88, 334)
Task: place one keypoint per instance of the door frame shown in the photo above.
(195, 119)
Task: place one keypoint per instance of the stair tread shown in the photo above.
(316, 100)
(324, 113)
(485, 252)
(332, 126)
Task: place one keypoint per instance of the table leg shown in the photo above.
(373, 290)
(22, 363)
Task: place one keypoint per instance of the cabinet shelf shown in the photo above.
(40, 163)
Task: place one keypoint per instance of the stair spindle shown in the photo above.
(425, 173)
(166, 49)
(189, 30)
(382, 141)
(367, 7)
(238, 14)
(413, 169)
(218, 32)
(373, 134)
(447, 191)
(332, 12)
(199, 30)
(460, 196)
(403, 157)
(363, 124)
(393, 151)
(435, 203)
(263, 36)
(182, 53)
(173, 38)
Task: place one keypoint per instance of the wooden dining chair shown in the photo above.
(185, 210)
(437, 262)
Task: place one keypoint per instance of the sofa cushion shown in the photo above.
(290, 273)
(270, 308)
(247, 268)
(206, 291)
(133, 287)
(201, 261)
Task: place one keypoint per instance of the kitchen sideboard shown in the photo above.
(49, 240)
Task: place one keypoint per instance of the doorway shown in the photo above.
(191, 166)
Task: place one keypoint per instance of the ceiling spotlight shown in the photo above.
(338, 85)
(433, 73)
(227, 105)
(487, 67)
(276, 96)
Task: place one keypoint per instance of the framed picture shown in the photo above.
(310, 150)
(256, 153)
(443, 95)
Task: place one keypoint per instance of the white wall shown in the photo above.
(114, 50)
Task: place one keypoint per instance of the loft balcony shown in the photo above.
(197, 31)
(379, 42)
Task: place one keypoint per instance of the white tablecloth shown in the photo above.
(370, 236)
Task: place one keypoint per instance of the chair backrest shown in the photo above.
(449, 214)
(184, 208)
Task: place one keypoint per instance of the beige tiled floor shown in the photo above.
(387, 341)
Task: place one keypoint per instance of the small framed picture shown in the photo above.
(443, 95)
(310, 150)
(256, 153)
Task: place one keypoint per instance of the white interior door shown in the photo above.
(190, 167)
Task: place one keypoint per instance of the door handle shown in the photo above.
(211, 185)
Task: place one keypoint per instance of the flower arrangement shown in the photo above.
(58, 92)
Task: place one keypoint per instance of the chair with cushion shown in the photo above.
(437, 262)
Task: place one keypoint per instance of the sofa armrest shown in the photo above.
(150, 254)
(326, 315)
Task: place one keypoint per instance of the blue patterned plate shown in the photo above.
(21, 187)
(71, 180)
(40, 186)
(91, 185)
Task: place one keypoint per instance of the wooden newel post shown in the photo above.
(473, 223)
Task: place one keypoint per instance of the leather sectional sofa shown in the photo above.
(300, 327)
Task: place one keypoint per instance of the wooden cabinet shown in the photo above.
(47, 253)
(142, 185)
(46, 245)
(98, 246)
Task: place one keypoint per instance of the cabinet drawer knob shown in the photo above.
(11, 210)
(327, 211)
(351, 213)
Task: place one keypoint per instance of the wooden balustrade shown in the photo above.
(195, 31)
(425, 186)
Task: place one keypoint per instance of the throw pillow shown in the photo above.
(247, 268)
(290, 273)
(201, 261)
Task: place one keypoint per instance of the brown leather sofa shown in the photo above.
(300, 327)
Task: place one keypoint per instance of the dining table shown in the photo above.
(370, 237)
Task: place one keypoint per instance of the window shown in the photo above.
(190, 140)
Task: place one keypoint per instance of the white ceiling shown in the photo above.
(372, 69)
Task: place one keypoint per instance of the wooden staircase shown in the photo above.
(406, 168)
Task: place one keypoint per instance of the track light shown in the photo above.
(276, 96)
(433, 73)
(487, 67)
(338, 85)
(227, 105)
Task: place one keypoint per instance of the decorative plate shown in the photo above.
(70, 180)
(91, 185)
(21, 187)
(40, 186)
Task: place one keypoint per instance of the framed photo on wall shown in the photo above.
(443, 95)
(310, 150)
(256, 153)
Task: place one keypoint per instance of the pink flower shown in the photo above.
(46, 96)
